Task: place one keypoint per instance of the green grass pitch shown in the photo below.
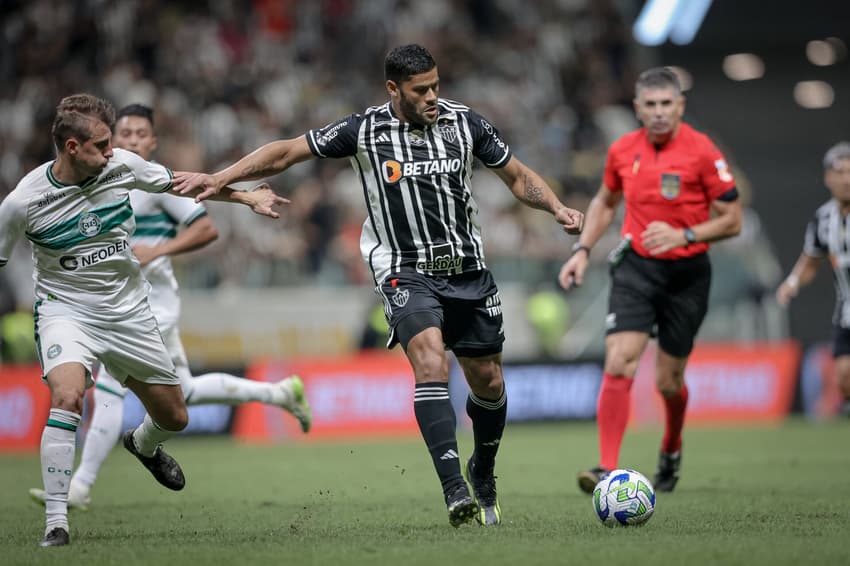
(749, 496)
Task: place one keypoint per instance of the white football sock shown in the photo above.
(58, 443)
(232, 390)
(149, 435)
(103, 433)
(79, 494)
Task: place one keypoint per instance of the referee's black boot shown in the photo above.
(667, 475)
(588, 479)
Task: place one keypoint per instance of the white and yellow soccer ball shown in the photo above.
(624, 498)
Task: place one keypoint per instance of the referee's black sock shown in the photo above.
(488, 423)
(437, 422)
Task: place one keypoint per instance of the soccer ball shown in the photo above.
(624, 497)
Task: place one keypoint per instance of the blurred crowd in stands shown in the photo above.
(225, 76)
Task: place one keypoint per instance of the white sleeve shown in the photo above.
(183, 210)
(13, 218)
(151, 177)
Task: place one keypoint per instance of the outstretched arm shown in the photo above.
(262, 199)
(268, 160)
(804, 271)
(530, 189)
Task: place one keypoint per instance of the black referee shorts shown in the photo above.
(466, 307)
(669, 296)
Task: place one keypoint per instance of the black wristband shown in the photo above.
(577, 247)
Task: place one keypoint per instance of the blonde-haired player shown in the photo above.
(91, 298)
(158, 237)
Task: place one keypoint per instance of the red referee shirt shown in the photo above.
(675, 183)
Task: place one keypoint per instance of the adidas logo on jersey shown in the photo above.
(383, 138)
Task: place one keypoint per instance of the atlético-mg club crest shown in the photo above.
(400, 298)
(448, 131)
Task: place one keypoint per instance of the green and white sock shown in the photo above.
(149, 435)
(58, 443)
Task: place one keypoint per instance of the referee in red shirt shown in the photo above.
(679, 195)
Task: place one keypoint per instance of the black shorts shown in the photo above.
(466, 307)
(669, 297)
(840, 341)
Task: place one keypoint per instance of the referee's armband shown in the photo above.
(730, 195)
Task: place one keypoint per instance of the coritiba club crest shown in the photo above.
(89, 224)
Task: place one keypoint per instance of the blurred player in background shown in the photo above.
(679, 196)
(91, 298)
(156, 239)
(414, 157)
(828, 236)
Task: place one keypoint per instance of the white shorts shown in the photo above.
(174, 346)
(131, 347)
(108, 383)
(165, 305)
(171, 338)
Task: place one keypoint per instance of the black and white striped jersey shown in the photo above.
(828, 235)
(416, 180)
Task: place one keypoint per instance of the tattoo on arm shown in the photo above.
(533, 194)
(256, 172)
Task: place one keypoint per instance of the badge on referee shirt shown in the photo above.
(670, 185)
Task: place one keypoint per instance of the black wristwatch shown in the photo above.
(690, 237)
(579, 246)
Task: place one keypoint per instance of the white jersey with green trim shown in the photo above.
(80, 234)
(158, 217)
